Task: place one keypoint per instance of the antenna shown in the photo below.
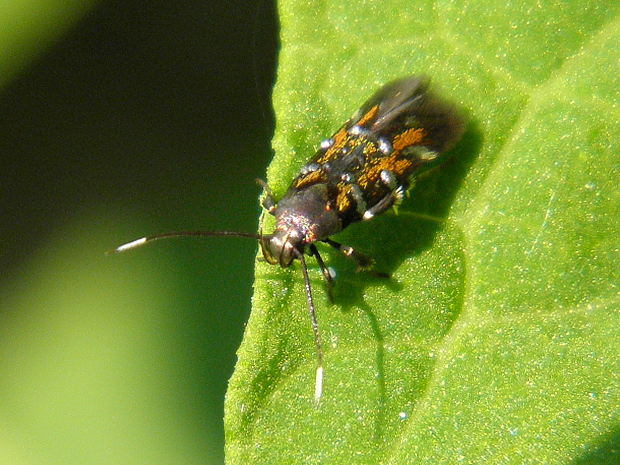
(177, 234)
(318, 385)
(318, 382)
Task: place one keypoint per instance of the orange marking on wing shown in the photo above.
(340, 139)
(409, 137)
(398, 166)
(341, 134)
(309, 179)
(343, 202)
(370, 114)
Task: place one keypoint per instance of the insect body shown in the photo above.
(360, 172)
(363, 169)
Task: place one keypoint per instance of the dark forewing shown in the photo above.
(406, 103)
(370, 160)
(395, 99)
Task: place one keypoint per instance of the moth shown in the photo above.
(360, 172)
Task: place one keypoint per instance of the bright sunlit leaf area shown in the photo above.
(496, 338)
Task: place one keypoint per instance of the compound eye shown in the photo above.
(286, 255)
(278, 249)
(284, 250)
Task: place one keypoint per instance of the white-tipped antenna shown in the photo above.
(130, 245)
(318, 385)
(172, 235)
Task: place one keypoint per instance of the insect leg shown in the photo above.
(329, 279)
(362, 261)
(393, 198)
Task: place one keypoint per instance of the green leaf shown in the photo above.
(497, 339)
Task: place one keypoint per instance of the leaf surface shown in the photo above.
(497, 338)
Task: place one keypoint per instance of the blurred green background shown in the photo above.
(120, 119)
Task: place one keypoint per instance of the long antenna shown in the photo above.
(318, 384)
(172, 235)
